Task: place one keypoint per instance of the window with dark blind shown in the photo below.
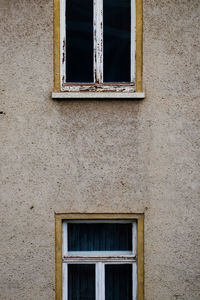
(81, 282)
(99, 237)
(118, 282)
(99, 260)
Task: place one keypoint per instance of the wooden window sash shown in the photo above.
(137, 270)
(98, 41)
(98, 258)
(135, 89)
(97, 85)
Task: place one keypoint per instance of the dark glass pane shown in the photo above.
(99, 237)
(81, 282)
(118, 281)
(79, 41)
(117, 38)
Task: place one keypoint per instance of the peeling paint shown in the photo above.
(123, 88)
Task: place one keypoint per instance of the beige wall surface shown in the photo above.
(100, 156)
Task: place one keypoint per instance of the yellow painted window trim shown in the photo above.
(139, 52)
(59, 217)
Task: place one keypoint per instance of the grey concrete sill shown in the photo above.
(96, 95)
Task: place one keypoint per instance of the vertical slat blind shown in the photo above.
(81, 282)
(118, 282)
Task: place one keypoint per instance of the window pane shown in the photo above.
(79, 41)
(118, 282)
(81, 282)
(99, 237)
(117, 37)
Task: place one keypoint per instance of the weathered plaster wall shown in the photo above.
(100, 156)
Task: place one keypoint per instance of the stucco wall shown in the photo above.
(100, 156)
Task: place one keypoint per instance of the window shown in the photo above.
(99, 257)
(98, 48)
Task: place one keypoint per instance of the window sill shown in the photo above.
(97, 95)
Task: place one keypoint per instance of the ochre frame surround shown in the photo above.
(139, 46)
(59, 217)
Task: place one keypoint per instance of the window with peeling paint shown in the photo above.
(116, 41)
(98, 47)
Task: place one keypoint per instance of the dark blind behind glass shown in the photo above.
(79, 41)
(118, 281)
(99, 237)
(81, 282)
(117, 40)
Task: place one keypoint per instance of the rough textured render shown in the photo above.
(98, 155)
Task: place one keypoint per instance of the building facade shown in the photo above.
(100, 155)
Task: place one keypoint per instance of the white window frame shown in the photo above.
(99, 258)
(97, 85)
(98, 89)
(132, 90)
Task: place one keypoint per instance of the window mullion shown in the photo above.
(98, 41)
(100, 281)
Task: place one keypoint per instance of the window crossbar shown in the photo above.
(95, 259)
